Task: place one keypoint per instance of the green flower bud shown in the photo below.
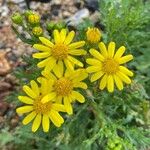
(28, 12)
(50, 26)
(17, 18)
(33, 18)
(60, 25)
(37, 31)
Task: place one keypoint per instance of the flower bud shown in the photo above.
(33, 19)
(37, 31)
(50, 26)
(17, 18)
(28, 12)
(93, 35)
(60, 25)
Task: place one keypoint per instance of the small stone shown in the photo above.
(66, 14)
(4, 64)
(14, 122)
(78, 17)
(56, 2)
(3, 108)
(92, 4)
(4, 86)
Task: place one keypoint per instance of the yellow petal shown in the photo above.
(41, 47)
(50, 65)
(36, 123)
(103, 49)
(111, 49)
(69, 37)
(25, 99)
(103, 82)
(96, 76)
(126, 71)
(80, 85)
(41, 55)
(24, 109)
(45, 123)
(59, 107)
(125, 59)
(94, 62)
(119, 52)
(110, 83)
(29, 118)
(57, 37)
(44, 86)
(49, 75)
(46, 41)
(63, 33)
(79, 97)
(77, 52)
(68, 106)
(92, 69)
(96, 54)
(76, 45)
(78, 75)
(59, 99)
(29, 91)
(44, 62)
(69, 64)
(123, 77)
(48, 97)
(59, 69)
(75, 61)
(118, 82)
(55, 118)
(35, 87)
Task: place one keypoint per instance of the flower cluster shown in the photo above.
(63, 73)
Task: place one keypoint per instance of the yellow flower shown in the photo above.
(64, 85)
(60, 51)
(41, 113)
(108, 65)
(93, 35)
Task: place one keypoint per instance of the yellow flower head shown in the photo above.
(63, 86)
(60, 51)
(93, 35)
(33, 18)
(37, 31)
(40, 112)
(108, 66)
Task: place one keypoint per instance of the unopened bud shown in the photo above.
(50, 26)
(60, 25)
(37, 31)
(17, 18)
(33, 19)
(28, 12)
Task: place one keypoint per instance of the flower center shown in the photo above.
(63, 87)
(60, 51)
(110, 66)
(39, 107)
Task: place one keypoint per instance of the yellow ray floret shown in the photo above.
(106, 65)
(64, 85)
(37, 111)
(62, 50)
